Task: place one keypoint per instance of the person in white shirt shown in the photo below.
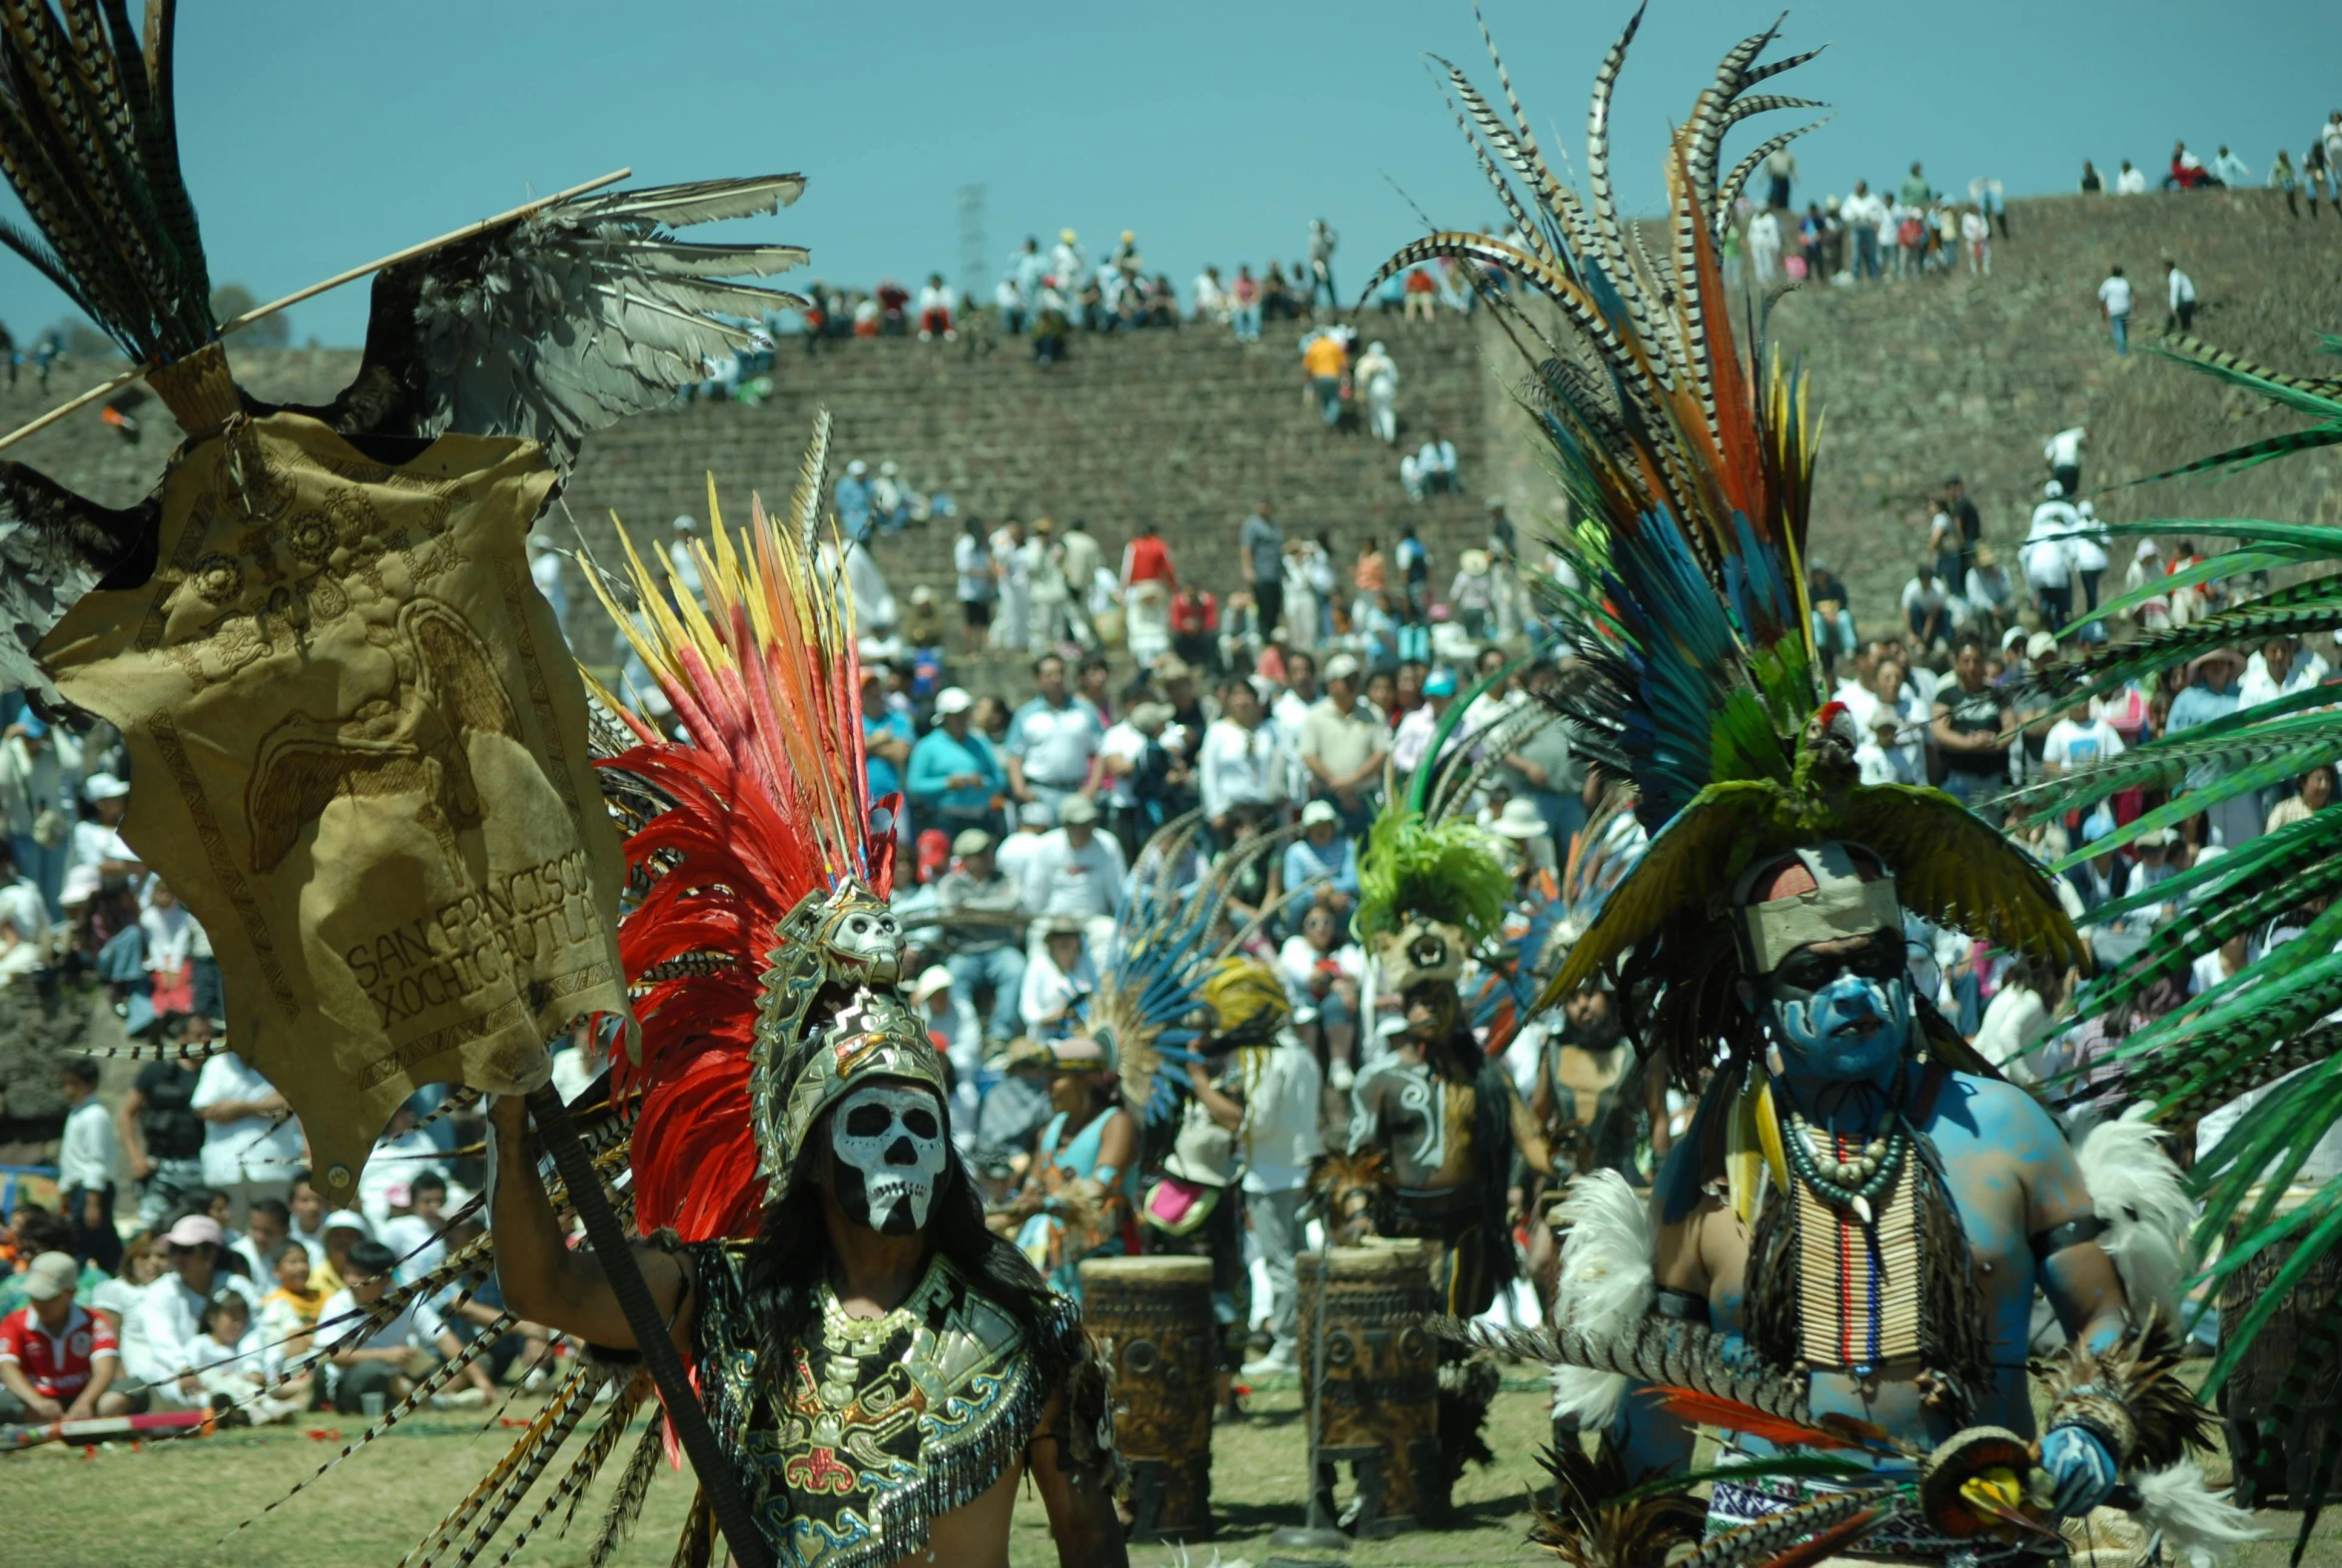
(2130, 181)
(2019, 1019)
(1375, 376)
(1764, 248)
(2047, 556)
(2089, 563)
(1897, 721)
(1861, 212)
(401, 1153)
(171, 1312)
(2229, 168)
(2182, 292)
(2063, 452)
(1076, 870)
(2115, 303)
(380, 1362)
(1239, 762)
(2279, 669)
(1927, 611)
(1413, 736)
(1975, 232)
(1058, 979)
(935, 311)
(2080, 740)
(252, 1146)
(1274, 1114)
(86, 1157)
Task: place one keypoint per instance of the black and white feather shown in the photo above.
(56, 546)
(566, 321)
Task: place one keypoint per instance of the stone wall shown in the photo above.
(1916, 380)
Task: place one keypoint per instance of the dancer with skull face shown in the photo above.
(880, 1367)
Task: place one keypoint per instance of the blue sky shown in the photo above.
(318, 136)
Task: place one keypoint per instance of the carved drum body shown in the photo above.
(1154, 1316)
(1380, 1412)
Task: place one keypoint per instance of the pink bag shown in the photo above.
(1794, 266)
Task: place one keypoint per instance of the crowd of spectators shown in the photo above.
(183, 1259)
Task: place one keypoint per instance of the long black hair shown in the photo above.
(786, 1265)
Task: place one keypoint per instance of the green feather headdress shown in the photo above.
(1446, 872)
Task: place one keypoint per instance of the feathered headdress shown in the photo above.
(1167, 972)
(763, 957)
(1691, 460)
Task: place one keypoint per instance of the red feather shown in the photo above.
(1709, 1410)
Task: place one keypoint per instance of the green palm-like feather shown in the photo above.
(2228, 875)
(2202, 930)
(2214, 568)
(2292, 745)
(2258, 776)
(2295, 610)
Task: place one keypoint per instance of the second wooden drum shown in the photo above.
(1381, 1412)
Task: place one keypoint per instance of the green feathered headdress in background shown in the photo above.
(1446, 872)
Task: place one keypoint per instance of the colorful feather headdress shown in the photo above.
(763, 958)
(1690, 460)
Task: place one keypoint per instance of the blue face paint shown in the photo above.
(1838, 1021)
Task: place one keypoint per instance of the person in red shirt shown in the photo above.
(58, 1361)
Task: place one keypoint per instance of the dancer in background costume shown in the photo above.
(1844, 1251)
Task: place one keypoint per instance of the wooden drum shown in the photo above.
(2268, 1459)
(1381, 1404)
(1154, 1316)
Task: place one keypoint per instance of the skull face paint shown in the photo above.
(1841, 1011)
(888, 1143)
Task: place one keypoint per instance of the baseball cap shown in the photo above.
(51, 1276)
(194, 1230)
(1318, 811)
(953, 699)
(937, 978)
(345, 1219)
(971, 840)
(1439, 683)
(1173, 668)
(1033, 814)
(1076, 809)
(2040, 645)
(104, 786)
(1342, 666)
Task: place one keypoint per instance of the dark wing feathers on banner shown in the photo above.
(566, 321)
(54, 547)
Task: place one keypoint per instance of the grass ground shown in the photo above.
(169, 1506)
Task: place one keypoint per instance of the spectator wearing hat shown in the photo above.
(1534, 870)
(1412, 739)
(955, 778)
(2280, 667)
(36, 806)
(1320, 866)
(984, 920)
(1472, 595)
(1150, 763)
(97, 855)
(1343, 744)
(171, 1314)
(683, 535)
(1076, 872)
(86, 1157)
(1052, 741)
(341, 1232)
(386, 1361)
(1058, 980)
(2214, 692)
(58, 1361)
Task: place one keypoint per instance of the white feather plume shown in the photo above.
(1606, 1286)
(2136, 1191)
(2198, 1525)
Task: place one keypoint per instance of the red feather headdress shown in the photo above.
(766, 804)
